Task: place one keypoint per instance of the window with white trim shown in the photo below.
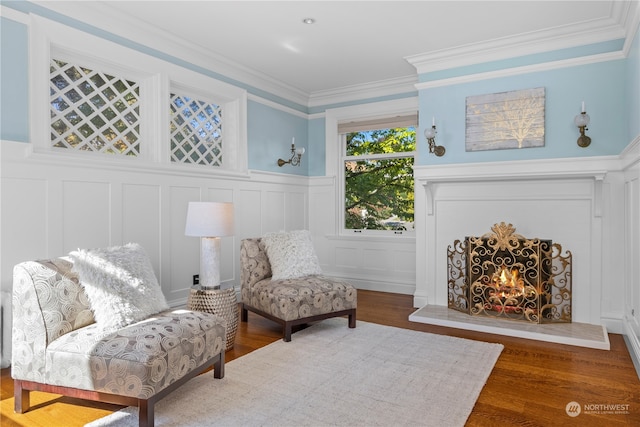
(196, 131)
(93, 98)
(93, 110)
(376, 165)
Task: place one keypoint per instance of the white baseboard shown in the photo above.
(613, 323)
(633, 344)
(373, 285)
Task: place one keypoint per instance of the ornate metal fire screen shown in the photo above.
(503, 274)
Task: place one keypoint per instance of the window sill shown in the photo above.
(372, 238)
(26, 152)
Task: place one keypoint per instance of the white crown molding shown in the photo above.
(622, 22)
(101, 16)
(631, 24)
(536, 68)
(14, 15)
(371, 90)
(277, 106)
(569, 36)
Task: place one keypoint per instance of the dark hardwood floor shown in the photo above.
(531, 384)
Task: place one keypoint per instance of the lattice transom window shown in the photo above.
(93, 111)
(196, 131)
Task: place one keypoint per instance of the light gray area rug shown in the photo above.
(332, 375)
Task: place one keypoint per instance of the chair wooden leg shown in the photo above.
(287, 331)
(145, 413)
(352, 320)
(21, 398)
(244, 314)
(218, 367)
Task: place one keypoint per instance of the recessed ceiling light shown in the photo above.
(308, 20)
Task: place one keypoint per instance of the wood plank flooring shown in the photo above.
(531, 384)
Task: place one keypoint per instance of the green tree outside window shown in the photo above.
(378, 170)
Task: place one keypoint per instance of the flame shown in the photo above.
(508, 283)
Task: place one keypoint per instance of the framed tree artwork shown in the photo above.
(506, 120)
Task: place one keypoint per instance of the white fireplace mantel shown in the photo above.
(574, 201)
(569, 168)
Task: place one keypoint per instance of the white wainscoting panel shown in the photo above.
(21, 243)
(247, 202)
(631, 318)
(53, 204)
(376, 263)
(181, 247)
(86, 214)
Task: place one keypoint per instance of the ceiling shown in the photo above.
(352, 44)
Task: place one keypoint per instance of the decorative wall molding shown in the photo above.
(373, 90)
(571, 168)
(581, 34)
(630, 156)
(14, 15)
(515, 71)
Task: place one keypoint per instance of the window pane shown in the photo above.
(397, 140)
(196, 131)
(378, 191)
(379, 194)
(82, 117)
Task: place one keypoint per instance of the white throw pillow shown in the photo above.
(120, 284)
(291, 254)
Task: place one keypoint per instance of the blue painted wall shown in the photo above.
(317, 152)
(600, 85)
(610, 90)
(633, 87)
(14, 85)
(270, 132)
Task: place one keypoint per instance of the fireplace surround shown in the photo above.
(506, 275)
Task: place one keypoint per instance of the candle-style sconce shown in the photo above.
(430, 134)
(582, 121)
(296, 155)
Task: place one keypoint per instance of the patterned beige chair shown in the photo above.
(58, 347)
(290, 301)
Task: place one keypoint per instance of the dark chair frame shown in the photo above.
(289, 324)
(22, 388)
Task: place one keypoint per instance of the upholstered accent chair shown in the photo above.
(290, 301)
(59, 347)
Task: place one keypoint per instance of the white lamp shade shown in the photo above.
(209, 219)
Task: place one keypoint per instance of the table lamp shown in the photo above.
(209, 221)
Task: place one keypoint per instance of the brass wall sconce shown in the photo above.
(582, 121)
(296, 155)
(430, 134)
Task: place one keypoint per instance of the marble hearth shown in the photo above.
(576, 334)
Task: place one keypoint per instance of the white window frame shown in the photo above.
(49, 39)
(334, 166)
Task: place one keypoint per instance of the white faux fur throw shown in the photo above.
(120, 284)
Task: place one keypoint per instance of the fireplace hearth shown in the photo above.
(505, 275)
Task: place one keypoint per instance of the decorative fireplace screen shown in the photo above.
(503, 274)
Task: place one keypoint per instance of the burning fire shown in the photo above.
(508, 283)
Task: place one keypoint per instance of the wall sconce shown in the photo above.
(430, 134)
(296, 155)
(582, 121)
